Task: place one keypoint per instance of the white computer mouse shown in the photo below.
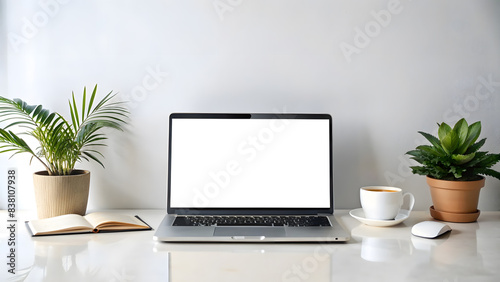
(429, 229)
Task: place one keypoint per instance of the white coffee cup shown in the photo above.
(384, 203)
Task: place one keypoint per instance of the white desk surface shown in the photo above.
(471, 252)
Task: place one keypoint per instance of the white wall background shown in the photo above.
(422, 64)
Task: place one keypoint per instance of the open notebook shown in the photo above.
(92, 222)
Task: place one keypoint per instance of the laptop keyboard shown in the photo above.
(197, 220)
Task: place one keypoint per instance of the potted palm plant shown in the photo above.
(455, 170)
(60, 188)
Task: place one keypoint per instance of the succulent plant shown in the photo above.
(454, 154)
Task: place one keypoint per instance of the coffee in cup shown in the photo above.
(382, 202)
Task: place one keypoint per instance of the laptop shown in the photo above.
(250, 178)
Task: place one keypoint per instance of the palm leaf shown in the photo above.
(13, 142)
(91, 102)
(27, 115)
(86, 153)
(84, 100)
(62, 143)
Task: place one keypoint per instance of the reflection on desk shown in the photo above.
(249, 262)
(469, 253)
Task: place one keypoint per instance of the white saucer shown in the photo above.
(359, 214)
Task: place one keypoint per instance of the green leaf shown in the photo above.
(14, 143)
(84, 99)
(430, 149)
(462, 159)
(37, 110)
(475, 147)
(62, 144)
(49, 119)
(457, 171)
(450, 142)
(472, 135)
(488, 160)
(92, 97)
(42, 115)
(93, 157)
(419, 170)
(434, 141)
(443, 130)
(27, 108)
(415, 152)
(462, 129)
(75, 110)
(18, 110)
(73, 116)
(488, 171)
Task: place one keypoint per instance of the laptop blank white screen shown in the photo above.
(250, 163)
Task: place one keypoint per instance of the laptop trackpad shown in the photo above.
(250, 231)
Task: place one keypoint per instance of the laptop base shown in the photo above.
(166, 232)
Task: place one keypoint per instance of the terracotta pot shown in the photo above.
(58, 195)
(455, 200)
